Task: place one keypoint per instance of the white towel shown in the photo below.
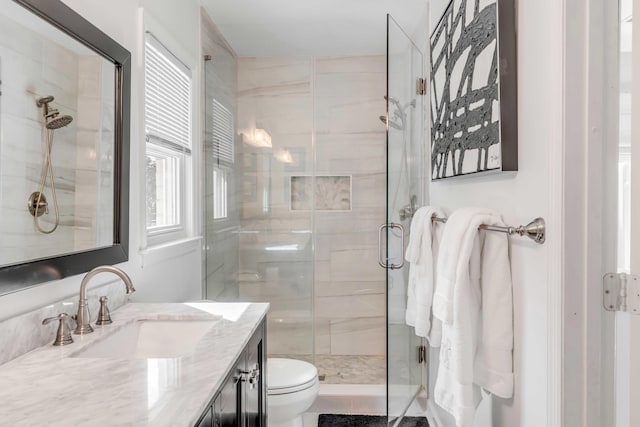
(421, 250)
(493, 368)
(456, 244)
(477, 343)
(414, 248)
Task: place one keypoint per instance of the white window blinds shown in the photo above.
(222, 133)
(167, 95)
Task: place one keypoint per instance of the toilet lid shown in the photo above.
(288, 373)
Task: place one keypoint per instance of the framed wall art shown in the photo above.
(473, 93)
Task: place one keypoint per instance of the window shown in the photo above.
(219, 193)
(168, 140)
(163, 187)
(222, 133)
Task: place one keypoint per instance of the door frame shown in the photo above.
(586, 385)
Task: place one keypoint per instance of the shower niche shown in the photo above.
(64, 113)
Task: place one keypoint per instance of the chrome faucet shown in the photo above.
(83, 318)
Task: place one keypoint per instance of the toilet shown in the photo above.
(292, 387)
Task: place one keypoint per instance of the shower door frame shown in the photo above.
(418, 139)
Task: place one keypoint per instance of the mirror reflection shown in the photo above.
(57, 104)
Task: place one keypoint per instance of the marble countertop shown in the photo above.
(47, 387)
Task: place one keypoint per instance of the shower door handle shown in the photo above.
(382, 261)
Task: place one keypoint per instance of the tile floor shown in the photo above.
(310, 419)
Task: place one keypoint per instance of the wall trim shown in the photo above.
(555, 241)
(587, 247)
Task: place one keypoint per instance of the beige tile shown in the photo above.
(350, 306)
(322, 330)
(322, 271)
(351, 64)
(349, 102)
(323, 245)
(289, 113)
(351, 153)
(355, 264)
(369, 191)
(273, 75)
(362, 219)
(289, 336)
(365, 336)
(338, 288)
(355, 239)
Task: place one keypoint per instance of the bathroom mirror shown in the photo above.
(64, 144)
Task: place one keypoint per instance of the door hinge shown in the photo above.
(421, 86)
(621, 292)
(422, 354)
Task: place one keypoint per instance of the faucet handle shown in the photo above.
(104, 317)
(63, 336)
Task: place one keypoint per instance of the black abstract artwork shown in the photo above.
(465, 91)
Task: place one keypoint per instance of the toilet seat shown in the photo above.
(285, 376)
(301, 387)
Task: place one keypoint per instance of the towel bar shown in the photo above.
(535, 230)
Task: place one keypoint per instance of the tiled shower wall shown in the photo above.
(323, 114)
(276, 258)
(34, 65)
(350, 140)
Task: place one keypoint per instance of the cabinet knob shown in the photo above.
(254, 376)
(251, 376)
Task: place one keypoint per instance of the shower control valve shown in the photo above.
(37, 204)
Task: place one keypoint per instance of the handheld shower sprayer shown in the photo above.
(399, 114)
(37, 202)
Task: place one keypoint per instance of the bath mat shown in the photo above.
(332, 420)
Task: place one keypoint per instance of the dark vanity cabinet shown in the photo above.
(242, 399)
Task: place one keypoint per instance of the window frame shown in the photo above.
(183, 153)
(160, 150)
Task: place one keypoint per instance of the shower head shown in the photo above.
(399, 126)
(44, 100)
(59, 122)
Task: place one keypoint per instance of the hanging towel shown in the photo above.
(493, 369)
(456, 244)
(421, 251)
(414, 248)
(454, 390)
(477, 343)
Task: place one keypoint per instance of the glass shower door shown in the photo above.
(405, 183)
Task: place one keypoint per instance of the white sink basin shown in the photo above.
(150, 339)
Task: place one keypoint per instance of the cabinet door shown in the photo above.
(207, 419)
(228, 403)
(255, 387)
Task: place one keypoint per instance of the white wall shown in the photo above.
(520, 197)
(171, 273)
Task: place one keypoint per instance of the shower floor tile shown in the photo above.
(347, 369)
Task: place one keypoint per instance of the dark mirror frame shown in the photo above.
(20, 276)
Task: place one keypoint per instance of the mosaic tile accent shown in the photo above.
(347, 369)
(331, 193)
